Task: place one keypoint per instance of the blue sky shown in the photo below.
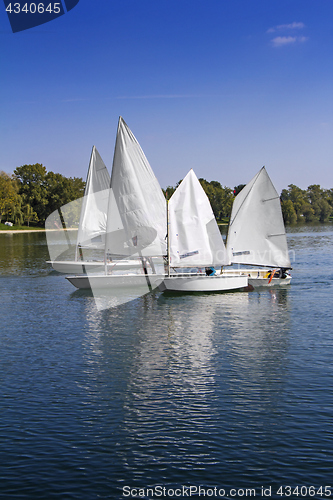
(219, 86)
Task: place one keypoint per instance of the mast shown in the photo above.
(78, 246)
(92, 223)
(168, 240)
(110, 190)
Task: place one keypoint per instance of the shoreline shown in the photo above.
(13, 231)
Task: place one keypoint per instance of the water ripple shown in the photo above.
(232, 390)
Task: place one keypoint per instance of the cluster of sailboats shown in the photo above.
(128, 235)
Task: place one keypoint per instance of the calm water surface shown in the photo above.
(226, 390)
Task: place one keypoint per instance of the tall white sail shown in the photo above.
(92, 225)
(139, 200)
(195, 239)
(256, 231)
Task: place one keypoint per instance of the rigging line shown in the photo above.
(84, 200)
(255, 180)
(64, 227)
(114, 152)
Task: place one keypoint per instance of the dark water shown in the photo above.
(226, 391)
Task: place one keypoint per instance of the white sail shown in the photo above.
(195, 239)
(92, 225)
(256, 231)
(139, 200)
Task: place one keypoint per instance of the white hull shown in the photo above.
(257, 277)
(258, 282)
(82, 267)
(202, 283)
(113, 282)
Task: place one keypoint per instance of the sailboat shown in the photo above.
(195, 242)
(135, 222)
(92, 223)
(257, 235)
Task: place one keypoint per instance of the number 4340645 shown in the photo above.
(304, 491)
(33, 8)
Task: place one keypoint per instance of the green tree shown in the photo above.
(237, 189)
(29, 214)
(314, 193)
(319, 200)
(17, 211)
(288, 212)
(45, 191)
(168, 191)
(298, 197)
(32, 187)
(221, 198)
(308, 212)
(227, 202)
(61, 190)
(324, 210)
(9, 196)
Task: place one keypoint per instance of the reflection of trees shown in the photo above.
(23, 253)
(61, 231)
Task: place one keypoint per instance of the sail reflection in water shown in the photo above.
(190, 378)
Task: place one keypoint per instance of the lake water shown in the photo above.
(226, 391)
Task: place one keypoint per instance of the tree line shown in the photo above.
(312, 204)
(31, 194)
(298, 205)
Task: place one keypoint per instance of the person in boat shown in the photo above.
(283, 273)
(210, 271)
